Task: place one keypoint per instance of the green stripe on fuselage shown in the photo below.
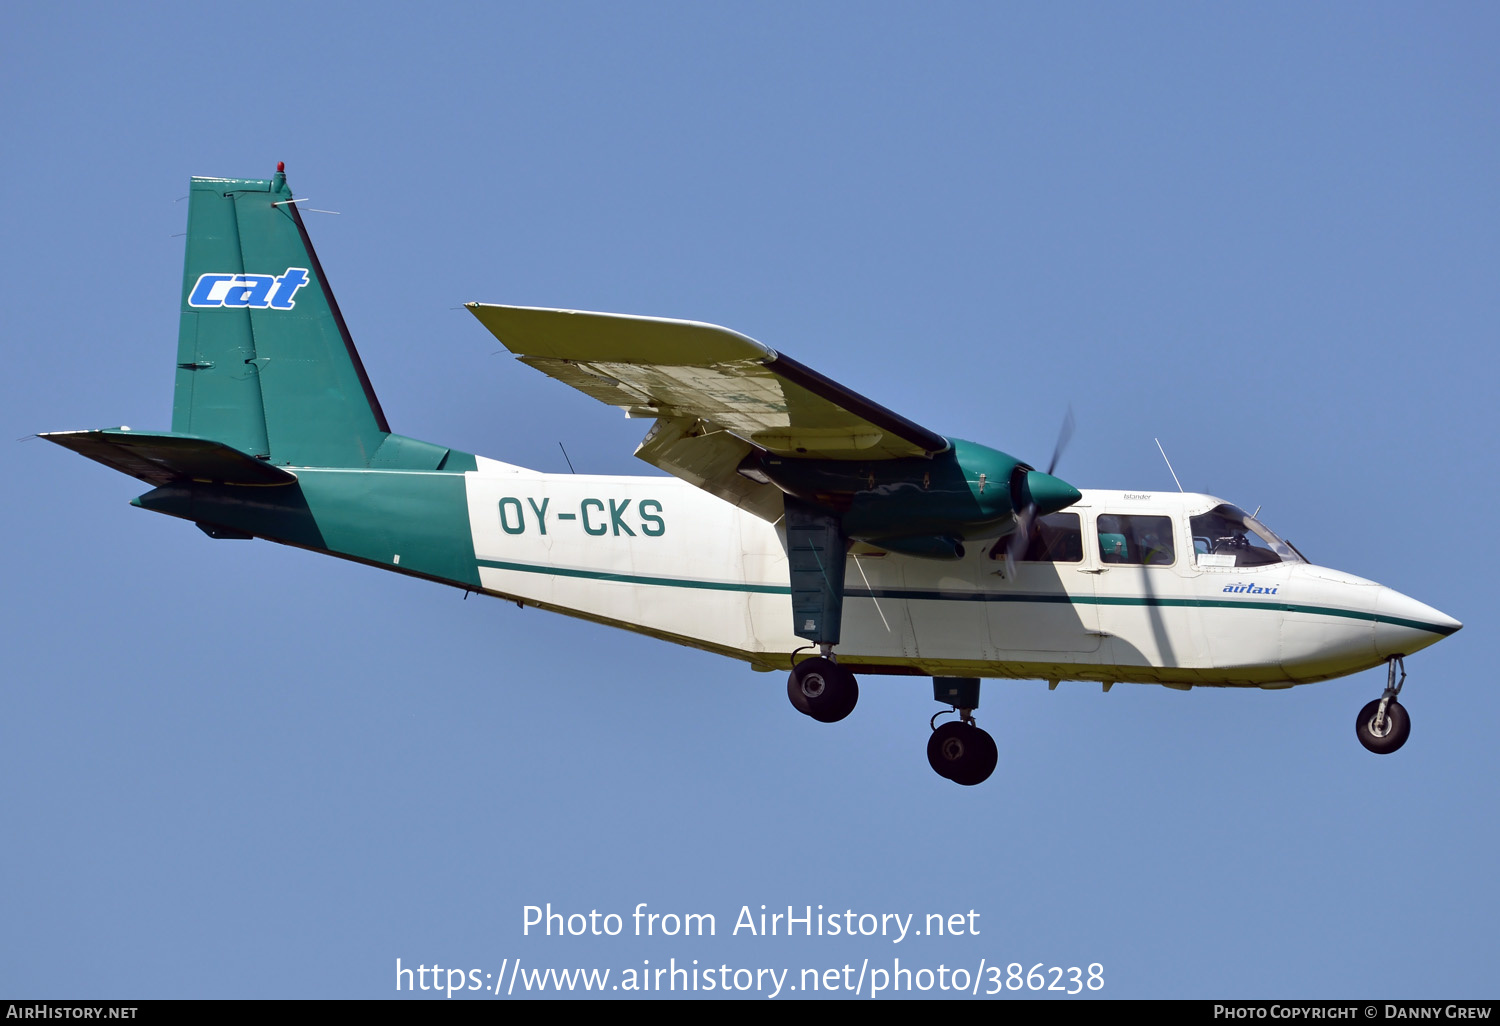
(912, 594)
(661, 582)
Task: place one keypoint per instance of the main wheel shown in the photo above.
(963, 753)
(1395, 730)
(822, 689)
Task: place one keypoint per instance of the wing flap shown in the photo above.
(710, 460)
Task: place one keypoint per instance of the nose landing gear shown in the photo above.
(1383, 725)
(959, 750)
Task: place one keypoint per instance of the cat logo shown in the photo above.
(250, 291)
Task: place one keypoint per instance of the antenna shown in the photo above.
(1169, 464)
(565, 456)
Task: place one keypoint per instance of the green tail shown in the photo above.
(265, 363)
(266, 370)
(273, 408)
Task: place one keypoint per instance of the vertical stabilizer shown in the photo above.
(265, 363)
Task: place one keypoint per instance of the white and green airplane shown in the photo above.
(803, 527)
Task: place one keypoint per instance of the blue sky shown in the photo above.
(1266, 234)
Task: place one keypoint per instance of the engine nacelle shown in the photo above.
(918, 507)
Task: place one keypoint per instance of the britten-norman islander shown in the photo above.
(803, 527)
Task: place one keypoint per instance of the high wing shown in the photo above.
(716, 396)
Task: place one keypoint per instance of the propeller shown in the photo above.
(1030, 490)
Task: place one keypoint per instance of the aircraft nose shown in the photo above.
(1404, 625)
(1050, 493)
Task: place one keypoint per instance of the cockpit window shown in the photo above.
(1228, 536)
(1136, 539)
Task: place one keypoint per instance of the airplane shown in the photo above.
(803, 527)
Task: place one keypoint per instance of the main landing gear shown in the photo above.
(816, 547)
(959, 750)
(1383, 725)
(822, 689)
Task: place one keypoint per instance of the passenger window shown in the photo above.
(1055, 538)
(1136, 540)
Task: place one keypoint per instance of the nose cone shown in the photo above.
(1403, 625)
(1050, 493)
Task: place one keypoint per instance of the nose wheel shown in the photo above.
(1383, 725)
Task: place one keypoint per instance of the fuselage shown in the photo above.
(1128, 594)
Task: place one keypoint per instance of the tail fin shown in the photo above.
(265, 363)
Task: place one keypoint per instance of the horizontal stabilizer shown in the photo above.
(161, 459)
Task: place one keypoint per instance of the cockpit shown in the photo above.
(1228, 536)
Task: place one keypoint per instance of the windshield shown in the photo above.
(1228, 536)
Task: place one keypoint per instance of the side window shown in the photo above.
(1055, 538)
(1137, 540)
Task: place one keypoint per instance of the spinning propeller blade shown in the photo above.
(1064, 436)
(1037, 490)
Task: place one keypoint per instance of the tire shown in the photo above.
(822, 689)
(962, 753)
(1397, 727)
